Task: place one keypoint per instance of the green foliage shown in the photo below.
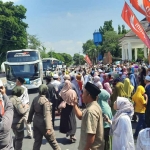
(33, 42)
(66, 58)
(119, 29)
(110, 42)
(78, 59)
(43, 52)
(13, 33)
(90, 49)
(106, 27)
(124, 31)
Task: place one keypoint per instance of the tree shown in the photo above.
(78, 59)
(119, 30)
(124, 31)
(106, 27)
(13, 34)
(111, 43)
(43, 52)
(91, 50)
(67, 58)
(33, 42)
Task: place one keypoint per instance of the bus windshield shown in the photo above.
(47, 64)
(22, 56)
(30, 71)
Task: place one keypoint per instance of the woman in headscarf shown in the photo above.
(128, 87)
(140, 99)
(42, 122)
(142, 76)
(80, 84)
(74, 81)
(108, 88)
(118, 91)
(133, 81)
(67, 119)
(97, 82)
(121, 128)
(103, 97)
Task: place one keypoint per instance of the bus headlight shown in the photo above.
(10, 84)
(36, 82)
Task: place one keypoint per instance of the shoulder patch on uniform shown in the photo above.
(42, 100)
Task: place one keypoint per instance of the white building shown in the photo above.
(130, 42)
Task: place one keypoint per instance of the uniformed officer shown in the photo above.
(42, 122)
(25, 100)
(91, 137)
(18, 120)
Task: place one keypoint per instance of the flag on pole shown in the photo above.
(129, 17)
(143, 6)
(88, 61)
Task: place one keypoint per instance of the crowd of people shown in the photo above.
(107, 98)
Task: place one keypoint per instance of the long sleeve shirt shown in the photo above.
(5, 123)
(24, 97)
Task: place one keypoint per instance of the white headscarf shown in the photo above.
(124, 107)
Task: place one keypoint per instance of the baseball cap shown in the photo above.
(147, 78)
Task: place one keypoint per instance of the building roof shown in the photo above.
(144, 23)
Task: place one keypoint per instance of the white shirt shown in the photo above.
(24, 97)
(122, 136)
(143, 141)
(56, 84)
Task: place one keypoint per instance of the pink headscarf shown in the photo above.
(108, 88)
(67, 94)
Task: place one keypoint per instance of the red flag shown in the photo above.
(129, 17)
(143, 6)
(87, 59)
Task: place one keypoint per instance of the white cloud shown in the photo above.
(10, 0)
(65, 46)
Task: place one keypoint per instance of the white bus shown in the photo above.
(52, 64)
(25, 63)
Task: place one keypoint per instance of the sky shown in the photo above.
(64, 25)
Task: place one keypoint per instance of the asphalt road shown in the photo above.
(64, 143)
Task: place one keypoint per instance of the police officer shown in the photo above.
(42, 122)
(25, 100)
(18, 120)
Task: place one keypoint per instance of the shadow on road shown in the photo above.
(31, 91)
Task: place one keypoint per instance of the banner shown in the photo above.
(143, 6)
(88, 61)
(129, 17)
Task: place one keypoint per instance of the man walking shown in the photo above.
(25, 100)
(92, 131)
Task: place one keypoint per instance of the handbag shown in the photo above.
(62, 105)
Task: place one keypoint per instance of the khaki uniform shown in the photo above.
(18, 121)
(92, 123)
(41, 109)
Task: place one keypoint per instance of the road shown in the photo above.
(64, 143)
(61, 139)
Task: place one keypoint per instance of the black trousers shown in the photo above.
(106, 138)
